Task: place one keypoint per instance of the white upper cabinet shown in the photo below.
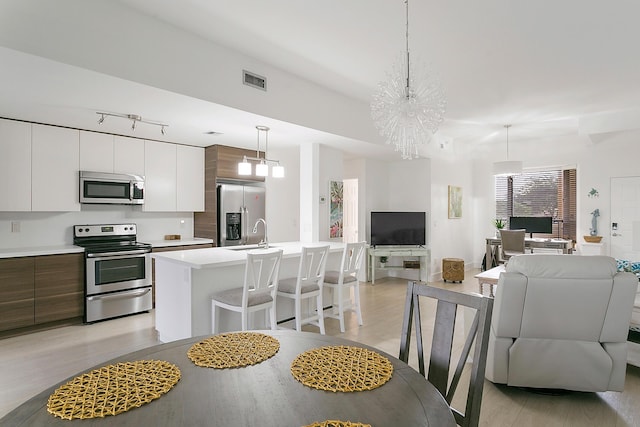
(101, 152)
(96, 151)
(160, 177)
(15, 166)
(39, 167)
(55, 162)
(190, 179)
(128, 155)
(174, 177)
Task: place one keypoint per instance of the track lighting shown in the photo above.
(135, 118)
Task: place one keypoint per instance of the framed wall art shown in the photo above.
(335, 208)
(455, 202)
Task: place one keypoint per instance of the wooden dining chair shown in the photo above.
(258, 292)
(345, 279)
(441, 358)
(307, 285)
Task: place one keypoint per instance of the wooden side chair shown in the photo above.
(512, 243)
(307, 285)
(257, 294)
(346, 279)
(441, 359)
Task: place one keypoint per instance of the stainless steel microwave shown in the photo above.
(111, 188)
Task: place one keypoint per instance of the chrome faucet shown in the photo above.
(264, 243)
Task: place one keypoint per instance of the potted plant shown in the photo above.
(499, 224)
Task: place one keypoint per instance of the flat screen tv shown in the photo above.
(398, 228)
(533, 224)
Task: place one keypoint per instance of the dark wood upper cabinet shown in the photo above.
(220, 162)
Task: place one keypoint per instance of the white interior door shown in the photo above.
(624, 228)
(350, 210)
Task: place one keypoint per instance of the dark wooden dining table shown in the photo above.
(265, 394)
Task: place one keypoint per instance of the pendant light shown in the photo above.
(409, 107)
(507, 167)
(262, 165)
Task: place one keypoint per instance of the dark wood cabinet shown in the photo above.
(16, 293)
(220, 162)
(40, 289)
(59, 287)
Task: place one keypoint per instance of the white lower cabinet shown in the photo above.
(55, 162)
(15, 166)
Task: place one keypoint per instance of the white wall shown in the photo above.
(614, 155)
(376, 190)
(450, 237)
(283, 197)
(107, 37)
(357, 169)
(39, 229)
(331, 169)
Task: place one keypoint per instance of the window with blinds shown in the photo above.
(542, 193)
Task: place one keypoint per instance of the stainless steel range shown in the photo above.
(118, 270)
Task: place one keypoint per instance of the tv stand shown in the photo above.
(398, 251)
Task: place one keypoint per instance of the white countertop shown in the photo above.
(232, 255)
(39, 250)
(73, 249)
(181, 242)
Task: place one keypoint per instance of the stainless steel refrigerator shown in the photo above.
(239, 207)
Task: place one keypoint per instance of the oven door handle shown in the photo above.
(118, 254)
(120, 295)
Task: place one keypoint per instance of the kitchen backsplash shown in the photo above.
(38, 229)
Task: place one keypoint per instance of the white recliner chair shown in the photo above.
(561, 322)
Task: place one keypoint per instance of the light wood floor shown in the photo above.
(34, 362)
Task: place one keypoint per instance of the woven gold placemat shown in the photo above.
(341, 368)
(113, 389)
(233, 350)
(335, 423)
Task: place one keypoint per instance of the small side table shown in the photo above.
(490, 277)
(453, 269)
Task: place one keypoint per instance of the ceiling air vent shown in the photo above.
(254, 80)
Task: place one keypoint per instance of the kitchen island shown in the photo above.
(186, 280)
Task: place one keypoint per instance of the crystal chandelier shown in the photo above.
(407, 110)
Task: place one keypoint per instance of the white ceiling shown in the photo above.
(540, 65)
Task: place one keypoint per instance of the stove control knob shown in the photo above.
(86, 229)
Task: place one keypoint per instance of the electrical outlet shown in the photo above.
(15, 226)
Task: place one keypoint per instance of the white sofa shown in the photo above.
(561, 321)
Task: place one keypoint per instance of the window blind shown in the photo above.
(541, 193)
